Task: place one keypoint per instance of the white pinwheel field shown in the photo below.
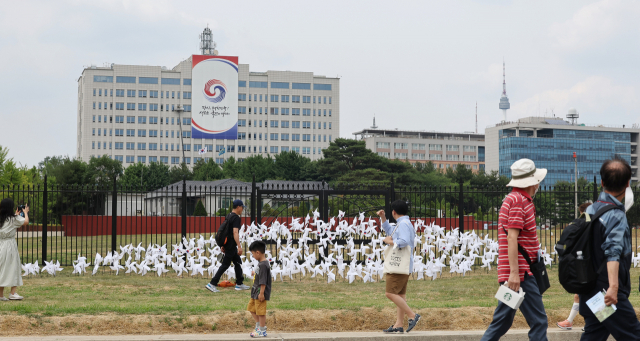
(305, 248)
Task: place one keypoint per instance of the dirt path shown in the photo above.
(365, 319)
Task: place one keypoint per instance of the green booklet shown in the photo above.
(597, 306)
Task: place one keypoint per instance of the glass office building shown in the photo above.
(550, 143)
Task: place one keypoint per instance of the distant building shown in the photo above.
(444, 150)
(551, 142)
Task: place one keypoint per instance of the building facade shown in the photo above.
(551, 142)
(132, 113)
(444, 150)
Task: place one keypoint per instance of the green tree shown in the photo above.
(344, 155)
(290, 166)
(425, 168)
(207, 171)
(200, 211)
(259, 165)
(102, 170)
(178, 173)
(230, 168)
(157, 176)
(369, 175)
(460, 174)
(134, 176)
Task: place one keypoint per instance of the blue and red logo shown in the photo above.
(218, 93)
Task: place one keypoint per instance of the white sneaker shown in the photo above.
(242, 287)
(211, 288)
(15, 297)
(2, 298)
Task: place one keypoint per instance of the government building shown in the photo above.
(444, 150)
(551, 142)
(137, 113)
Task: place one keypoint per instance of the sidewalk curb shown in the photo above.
(512, 335)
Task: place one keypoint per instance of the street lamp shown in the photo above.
(179, 110)
(575, 161)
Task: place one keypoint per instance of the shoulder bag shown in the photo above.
(397, 259)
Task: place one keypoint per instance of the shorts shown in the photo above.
(397, 284)
(257, 307)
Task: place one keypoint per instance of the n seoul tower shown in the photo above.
(504, 100)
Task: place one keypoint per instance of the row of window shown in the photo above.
(141, 106)
(422, 146)
(285, 124)
(285, 85)
(142, 119)
(231, 149)
(281, 98)
(433, 157)
(285, 111)
(141, 80)
(141, 93)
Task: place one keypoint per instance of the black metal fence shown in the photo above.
(66, 221)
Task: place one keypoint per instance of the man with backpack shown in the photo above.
(517, 230)
(230, 230)
(611, 246)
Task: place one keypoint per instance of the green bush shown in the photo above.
(200, 210)
(222, 212)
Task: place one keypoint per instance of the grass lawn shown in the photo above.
(133, 304)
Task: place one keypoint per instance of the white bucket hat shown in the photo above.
(524, 174)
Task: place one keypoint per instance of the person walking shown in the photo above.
(396, 284)
(10, 266)
(232, 250)
(517, 225)
(612, 244)
(568, 323)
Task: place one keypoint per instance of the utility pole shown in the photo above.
(179, 110)
(575, 160)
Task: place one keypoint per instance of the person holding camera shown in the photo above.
(10, 266)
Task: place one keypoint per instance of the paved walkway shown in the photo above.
(513, 335)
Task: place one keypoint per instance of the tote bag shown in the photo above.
(397, 260)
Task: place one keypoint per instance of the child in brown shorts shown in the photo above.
(261, 290)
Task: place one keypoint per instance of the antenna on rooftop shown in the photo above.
(207, 45)
(476, 117)
(573, 116)
(374, 126)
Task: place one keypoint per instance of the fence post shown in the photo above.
(114, 215)
(324, 210)
(45, 197)
(184, 208)
(392, 198)
(595, 189)
(253, 199)
(461, 207)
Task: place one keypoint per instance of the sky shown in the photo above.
(415, 65)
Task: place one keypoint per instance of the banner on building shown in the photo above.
(214, 97)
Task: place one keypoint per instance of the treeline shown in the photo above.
(344, 161)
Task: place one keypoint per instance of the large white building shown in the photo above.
(444, 150)
(128, 112)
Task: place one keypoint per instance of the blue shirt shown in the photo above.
(617, 234)
(404, 236)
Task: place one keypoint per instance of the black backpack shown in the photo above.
(578, 276)
(223, 231)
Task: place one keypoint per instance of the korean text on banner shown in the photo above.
(214, 100)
